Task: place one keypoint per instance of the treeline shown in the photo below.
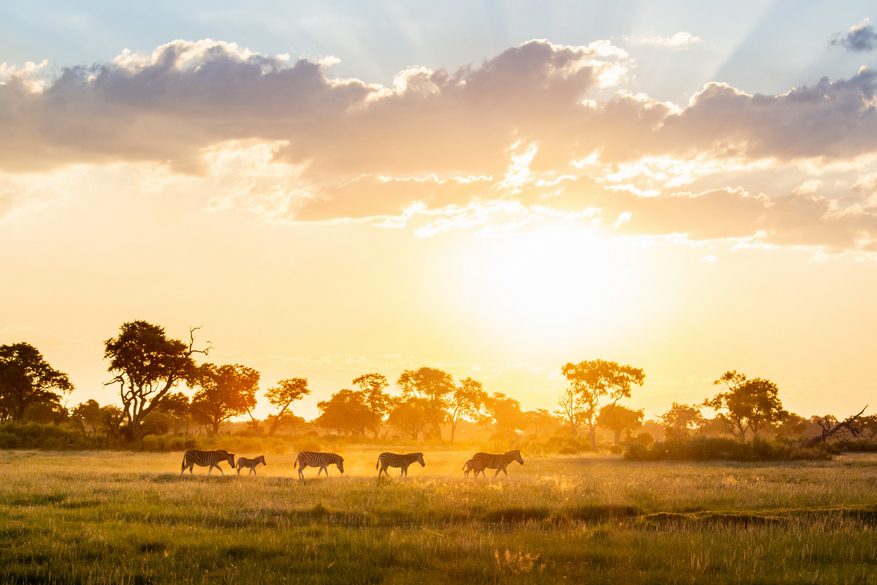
(151, 371)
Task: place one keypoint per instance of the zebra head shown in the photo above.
(230, 459)
(518, 457)
(420, 459)
(261, 459)
(340, 464)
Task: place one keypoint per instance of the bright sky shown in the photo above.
(495, 188)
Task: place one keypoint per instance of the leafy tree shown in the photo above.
(435, 387)
(506, 415)
(91, 417)
(409, 416)
(375, 397)
(27, 380)
(541, 422)
(467, 402)
(593, 382)
(346, 412)
(620, 419)
(572, 409)
(223, 392)
(791, 426)
(680, 420)
(748, 404)
(147, 365)
(282, 396)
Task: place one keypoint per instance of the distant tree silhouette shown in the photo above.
(27, 380)
(591, 383)
(748, 404)
(147, 365)
(467, 402)
(572, 409)
(91, 417)
(435, 387)
(680, 420)
(620, 419)
(282, 396)
(409, 416)
(223, 392)
(346, 412)
(506, 415)
(375, 397)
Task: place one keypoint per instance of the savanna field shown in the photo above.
(123, 517)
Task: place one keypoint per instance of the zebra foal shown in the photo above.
(321, 460)
(192, 457)
(497, 462)
(251, 463)
(386, 460)
(472, 465)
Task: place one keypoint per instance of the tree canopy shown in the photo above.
(680, 420)
(435, 387)
(467, 402)
(223, 392)
(620, 419)
(27, 380)
(282, 396)
(748, 404)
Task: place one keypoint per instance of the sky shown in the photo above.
(329, 189)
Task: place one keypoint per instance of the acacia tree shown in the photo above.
(27, 379)
(147, 365)
(593, 382)
(346, 412)
(467, 402)
(282, 396)
(680, 420)
(620, 419)
(223, 392)
(748, 404)
(435, 387)
(409, 416)
(372, 387)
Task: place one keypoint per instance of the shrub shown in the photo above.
(721, 449)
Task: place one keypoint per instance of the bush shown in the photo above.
(721, 449)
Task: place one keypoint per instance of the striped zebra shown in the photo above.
(497, 462)
(472, 465)
(204, 458)
(386, 460)
(321, 460)
(251, 463)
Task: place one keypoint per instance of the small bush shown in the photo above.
(721, 449)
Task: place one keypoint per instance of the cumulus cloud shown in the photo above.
(861, 37)
(680, 40)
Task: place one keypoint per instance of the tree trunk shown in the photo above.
(592, 428)
(829, 431)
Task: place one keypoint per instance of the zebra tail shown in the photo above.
(294, 464)
(378, 464)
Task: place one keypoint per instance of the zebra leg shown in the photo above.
(254, 471)
(301, 475)
(497, 472)
(504, 471)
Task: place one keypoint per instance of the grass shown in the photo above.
(108, 517)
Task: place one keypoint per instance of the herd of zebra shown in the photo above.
(478, 463)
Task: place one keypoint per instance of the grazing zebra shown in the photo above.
(472, 465)
(498, 462)
(386, 460)
(321, 460)
(204, 458)
(251, 463)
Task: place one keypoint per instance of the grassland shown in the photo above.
(105, 517)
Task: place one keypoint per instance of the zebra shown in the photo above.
(472, 465)
(321, 460)
(386, 460)
(497, 462)
(251, 463)
(204, 458)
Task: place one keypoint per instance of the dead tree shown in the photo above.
(839, 430)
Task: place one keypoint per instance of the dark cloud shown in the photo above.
(860, 38)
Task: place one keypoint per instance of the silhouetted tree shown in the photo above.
(591, 383)
(506, 415)
(435, 387)
(91, 417)
(620, 419)
(223, 392)
(573, 409)
(282, 396)
(346, 412)
(541, 422)
(467, 402)
(147, 365)
(409, 416)
(680, 420)
(373, 387)
(748, 404)
(27, 380)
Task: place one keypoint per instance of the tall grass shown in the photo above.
(102, 517)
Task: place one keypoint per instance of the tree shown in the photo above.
(831, 428)
(680, 420)
(346, 412)
(506, 415)
(409, 416)
(282, 396)
(147, 365)
(573, 409)
(435, 387)
(373, 387)
(467, 402)
(592, 382)
(620, 419)
(748, 404)
(94, 418)
(26, 380)
(223, 392)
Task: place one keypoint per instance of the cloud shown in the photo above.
(680, 40)
(861, 37)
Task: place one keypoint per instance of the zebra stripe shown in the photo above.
(498, 462)
(251, 463)
(472, 465)
(191, 458)
(386, 460)
(321, 460)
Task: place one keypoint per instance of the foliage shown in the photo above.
(223, 392)
(49, 437)
(718, 449)
(409, 416)
(748, 404)
(620, 419)
(680, 420)
(435, 387)
(282, 396)
(146, 365)
(346, 412)
(375, 397)
(27, 380)
(506, 415)
(467, 403)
